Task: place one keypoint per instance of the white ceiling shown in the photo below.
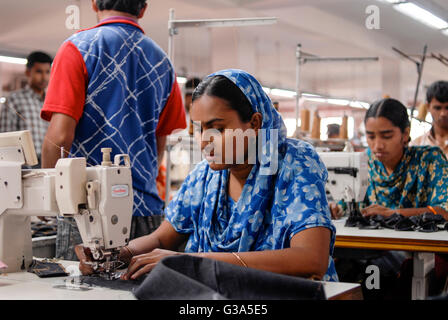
(327, 28)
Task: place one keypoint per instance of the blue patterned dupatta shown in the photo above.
(283, 195)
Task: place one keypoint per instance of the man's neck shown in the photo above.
(440, 134)
(104, 14)
(38, 91)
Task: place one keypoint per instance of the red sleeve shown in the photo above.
(173, 115)
(66, 91)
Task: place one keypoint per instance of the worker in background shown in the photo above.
(406, 180)
(437, 99)
(333, 130)
(235, 212)
(402, 179)
(112, 86)
(21, 110)
(189, 87)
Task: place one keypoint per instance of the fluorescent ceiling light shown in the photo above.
(445, 32)
(181, 80)
(359, 104)
(392, 1)
(283, 93)
(310, 95)
(323, 100)
(339, 102)
(267, 90)
(13, 60)
(422, 15)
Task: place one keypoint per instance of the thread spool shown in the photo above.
(305, 120)
(315, 130)
(190, 128)
(106, 156)
(422, 111)
(343, 133)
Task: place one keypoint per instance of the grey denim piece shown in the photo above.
(187, 277)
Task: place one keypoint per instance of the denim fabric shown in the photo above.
(66, 239)
(192, 278)
(68, 234)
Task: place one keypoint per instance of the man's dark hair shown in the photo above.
(220, 87)
(333, 128)
(391, 109)
(438, 90)
(37, 56)
(190, 85)
(129, 6)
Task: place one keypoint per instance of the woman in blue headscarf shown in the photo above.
(257, 200)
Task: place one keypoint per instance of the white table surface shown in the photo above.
(28, 286)
(423, 245)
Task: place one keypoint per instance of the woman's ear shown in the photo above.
(256, 121)
(94, 6)
(406, 136)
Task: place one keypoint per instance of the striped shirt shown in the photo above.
(21, 111)
(121, 89)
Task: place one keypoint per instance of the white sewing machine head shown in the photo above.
(99, 198)
(347, 175)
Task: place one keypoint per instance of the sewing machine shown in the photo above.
(347, 178)
(99, 198)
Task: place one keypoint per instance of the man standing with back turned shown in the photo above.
(113, 87)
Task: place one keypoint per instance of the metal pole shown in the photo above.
(420, 71)
(318, 59)
(172, 32)
(168, 148)
(173, 26)
(298, 57)
(339, 59)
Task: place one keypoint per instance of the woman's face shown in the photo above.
(386, 140)
(216, 126)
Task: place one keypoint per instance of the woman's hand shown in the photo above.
(84, 255)
(144, 263)
(377, 209)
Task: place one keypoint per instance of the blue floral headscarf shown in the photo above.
(283, 194)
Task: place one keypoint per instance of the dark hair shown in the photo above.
(333, 128)
(221, 87)
(129, 6)
(190, 85)
(37, 56)
(438, 90)
(391, 109)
